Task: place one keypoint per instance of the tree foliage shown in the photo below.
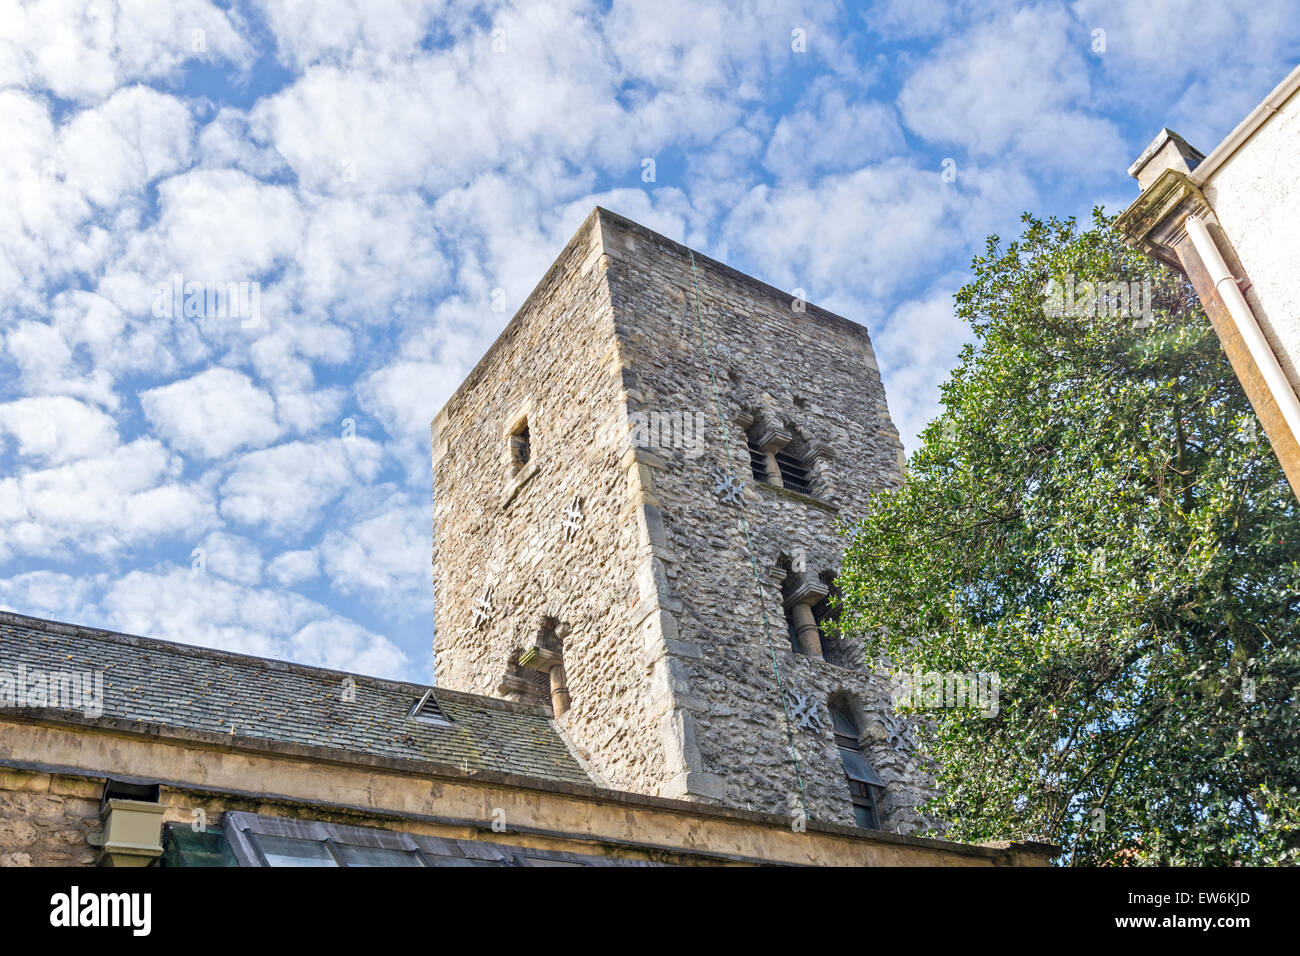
(1098, 519)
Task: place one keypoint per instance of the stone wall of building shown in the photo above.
(514, 535)
(50, 816)
(45, 819)
(778, 364)
(671, 673)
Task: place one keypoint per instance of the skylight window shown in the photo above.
(257, 840)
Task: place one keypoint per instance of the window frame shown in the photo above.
(796, 473)
(243, 828)
(757, 460)
(521, 445)
(865, 794)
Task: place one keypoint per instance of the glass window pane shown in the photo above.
(435, 860)
(289, 851)
(857, 768)
(843, 723)
(376, 856)
(542, 861)
(182, 846)
(865, 817)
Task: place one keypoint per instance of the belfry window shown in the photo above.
(794, 472)
(865, 786)
(757, 459)
(826, 612)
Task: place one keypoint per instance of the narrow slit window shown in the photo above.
(521, 449)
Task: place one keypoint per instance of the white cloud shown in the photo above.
(341, 645)
(212, 414)
(100, 505)
(406, 395)
(682, 44)
(866, 233)
(41, 230)
(384, 558)
(47, 594)
(229, 556)
(81, 52)
(205, 609)
(353, 30)
(219, 226)
(369, 260)
(832, 135)
(1015, 86)
(46, 364)
(350, 131)
(58, 429)
(909, 19)
(1197, 68)
(284, 488)
(111, 151)
(294, 567)
(917, 348)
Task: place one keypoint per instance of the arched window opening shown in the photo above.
(866, 789)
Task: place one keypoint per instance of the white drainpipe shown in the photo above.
(1244, 319)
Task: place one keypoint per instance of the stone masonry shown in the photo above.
(594, 522)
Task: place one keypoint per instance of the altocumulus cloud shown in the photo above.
(396, 175)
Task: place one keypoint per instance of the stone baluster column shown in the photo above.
(559, 691)
(805, 627)
(802, 595)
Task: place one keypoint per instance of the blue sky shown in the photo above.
(396, 175)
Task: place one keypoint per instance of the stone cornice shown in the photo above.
(1154, 222)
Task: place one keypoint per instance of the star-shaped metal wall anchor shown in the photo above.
(898, 731)
(804, 712)
(483, 608)
(573, 519)
(728, 488)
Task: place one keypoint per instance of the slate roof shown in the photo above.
(149, 681)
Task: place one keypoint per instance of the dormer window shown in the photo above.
(427, 711)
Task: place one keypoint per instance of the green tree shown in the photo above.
(1097, 519)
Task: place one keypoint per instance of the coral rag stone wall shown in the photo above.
(669, 665)
(46, 818)
(784, 365)
(500, 532)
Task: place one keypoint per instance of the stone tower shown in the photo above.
(604, 545)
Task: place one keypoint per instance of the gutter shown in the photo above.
(1244, 319)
